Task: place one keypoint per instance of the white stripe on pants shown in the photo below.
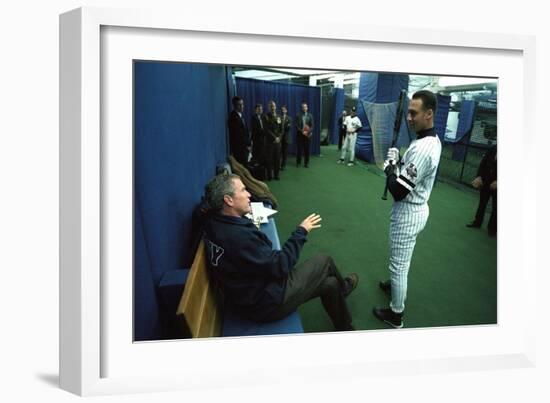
(349, 145)
(406, 222)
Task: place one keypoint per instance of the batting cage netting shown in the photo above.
(382, 120)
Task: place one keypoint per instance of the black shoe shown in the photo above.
(351, 283)
(388, 316)
(473, 224)
(277, 178)
(282, 168)
(386, 287)
(492, 234)
(306, 166)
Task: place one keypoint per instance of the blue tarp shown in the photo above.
(292, 95)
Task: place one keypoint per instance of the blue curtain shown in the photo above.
(180, 115)
(291, 95)
(336, 113)
(466, 119)
(441, 115)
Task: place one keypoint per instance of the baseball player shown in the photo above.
(353, 124)
(410, 181)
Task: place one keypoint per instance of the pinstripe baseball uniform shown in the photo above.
(409, 214)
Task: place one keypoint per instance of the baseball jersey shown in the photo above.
(419, 168)
(352, 123)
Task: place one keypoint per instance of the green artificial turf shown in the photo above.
(453, 274)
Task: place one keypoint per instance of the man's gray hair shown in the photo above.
(219, 186)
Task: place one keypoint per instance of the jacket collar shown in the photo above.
(425, 133)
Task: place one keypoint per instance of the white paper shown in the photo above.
(260, 213)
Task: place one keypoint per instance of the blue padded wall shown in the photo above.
(180, 116)
(259, 91)
(146, 307)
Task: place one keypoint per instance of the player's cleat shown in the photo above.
(388, 316)
(340, 161)
(386, 287)
(473, 224)
(351, 283)
(350, 164)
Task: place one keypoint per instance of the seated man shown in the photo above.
(258, 282)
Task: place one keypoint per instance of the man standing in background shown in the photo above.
(258, 135)
(341, 129)
(352, 124)
(304, 131)
(273, 136)
(287, 139)
(486, 182)
(239, 138)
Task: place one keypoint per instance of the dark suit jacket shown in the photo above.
(287, 124)
(341, 125)
(258, 137)
(488, 167)
(300, 124)
(239, 138)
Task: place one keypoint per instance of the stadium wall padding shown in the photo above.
(292, 95)
(180, 120)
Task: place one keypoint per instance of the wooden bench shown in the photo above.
(198, 312)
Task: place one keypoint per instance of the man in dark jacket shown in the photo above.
(341, 129)
(287, 137)
(260, 283)
(486, 182)
(258, 134)
(273, 136)
(239, 138)
(304, 131)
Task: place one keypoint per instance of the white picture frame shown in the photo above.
(90, 342)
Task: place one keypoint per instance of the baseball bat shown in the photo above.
(396, 128)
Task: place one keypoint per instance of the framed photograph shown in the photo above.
(99, 350)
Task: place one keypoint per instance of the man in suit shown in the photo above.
(304, 131)
(341, 129)
(486, 182)
(287, 137)
(239, 138)
(273, 135)
(258, 135)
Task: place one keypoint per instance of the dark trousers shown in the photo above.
(316, 277)
(341, 136)
(284, 153)
(302, 144)
(484, 196)
(241, 156)
(273, 160)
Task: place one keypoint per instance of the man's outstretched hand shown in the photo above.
(310, 222)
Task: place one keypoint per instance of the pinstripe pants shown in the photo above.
(406, 222)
